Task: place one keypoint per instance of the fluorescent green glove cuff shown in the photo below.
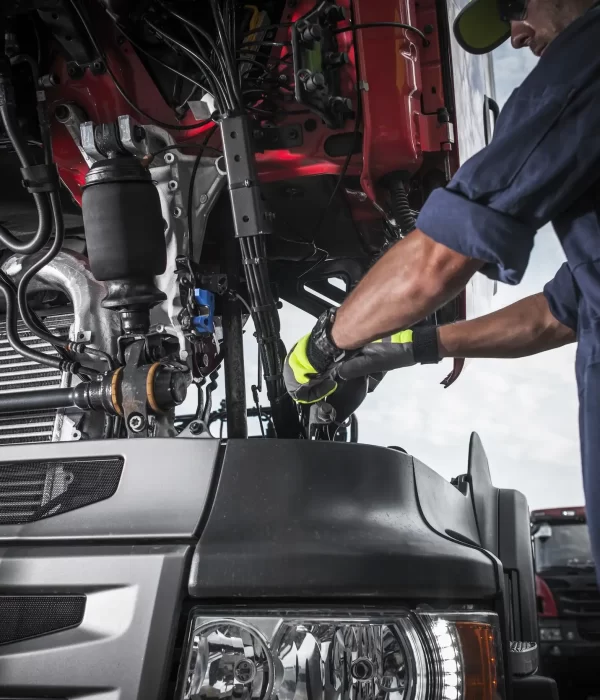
(303, 382)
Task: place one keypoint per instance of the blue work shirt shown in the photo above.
(543, 165)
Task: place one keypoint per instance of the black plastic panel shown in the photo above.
(515, 552)
(25, 617)
(444, 507)
(307, 519)
(484, 494)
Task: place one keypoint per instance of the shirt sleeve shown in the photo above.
(562, 294)
(544, 154)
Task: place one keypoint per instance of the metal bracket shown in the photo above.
(248, 211)
(317, 62)
(275, 137)
(65, 26)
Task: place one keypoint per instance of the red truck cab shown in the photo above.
(568, 600)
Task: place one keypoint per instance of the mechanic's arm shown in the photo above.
(411, 281)
(524, 328)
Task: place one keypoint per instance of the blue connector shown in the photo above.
(205, 322)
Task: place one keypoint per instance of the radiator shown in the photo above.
(20, 374)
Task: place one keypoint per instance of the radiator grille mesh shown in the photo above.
(20, 374)
(24, 617)
(30, 491)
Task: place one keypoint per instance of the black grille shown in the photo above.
(31, 491)
(24, 617)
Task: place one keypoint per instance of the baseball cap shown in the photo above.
(481, 26)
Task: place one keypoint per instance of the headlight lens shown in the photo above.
(400, 656)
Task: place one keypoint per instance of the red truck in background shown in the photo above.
(568, 600)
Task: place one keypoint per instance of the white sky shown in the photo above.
(524, 410)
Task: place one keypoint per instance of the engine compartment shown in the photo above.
(189, 166)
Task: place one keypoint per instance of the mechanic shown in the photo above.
(543, 165)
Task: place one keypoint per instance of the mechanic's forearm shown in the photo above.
(524, 328)
(411, 281)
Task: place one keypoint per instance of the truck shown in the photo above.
(173, 172)
(568, 599)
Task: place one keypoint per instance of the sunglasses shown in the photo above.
(512, 10)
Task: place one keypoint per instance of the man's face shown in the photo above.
(544, 21)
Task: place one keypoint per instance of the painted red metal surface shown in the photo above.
(391, 88)
(546, 602)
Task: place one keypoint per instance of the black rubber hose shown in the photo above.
(10, 296)
(401, 208)
(29, 319)
(19, 143)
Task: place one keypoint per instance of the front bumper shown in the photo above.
(193, 521)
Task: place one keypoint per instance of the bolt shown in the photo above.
(325, 413)
(177, 212)
(315, 82)
(98, 66)
(49, 80)
(172, 185)
(169, 158)
(428, 29)
(195, 427)
(139, 133)
(203, 198)
(137, 422)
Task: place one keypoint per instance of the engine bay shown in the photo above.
(173, 169)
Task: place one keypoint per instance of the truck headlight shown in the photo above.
(398, 656)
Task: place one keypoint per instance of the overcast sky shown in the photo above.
(524, 410)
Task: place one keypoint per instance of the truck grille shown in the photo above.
(578, 598)
(20, 374)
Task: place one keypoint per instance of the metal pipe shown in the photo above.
(235, 379)
(24, 401)
(70, 272)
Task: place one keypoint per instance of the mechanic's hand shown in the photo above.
(310, 366)
(402, 349)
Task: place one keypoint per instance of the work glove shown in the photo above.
(315, 366)
(309, 370)
(402, 349)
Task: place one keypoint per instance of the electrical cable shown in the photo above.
(176, 146)
(137, 47)
(268, 28)
(280, 44)
(124, 95)
(203, 33)
(229, 56)
(373, 25)
(221, 88)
